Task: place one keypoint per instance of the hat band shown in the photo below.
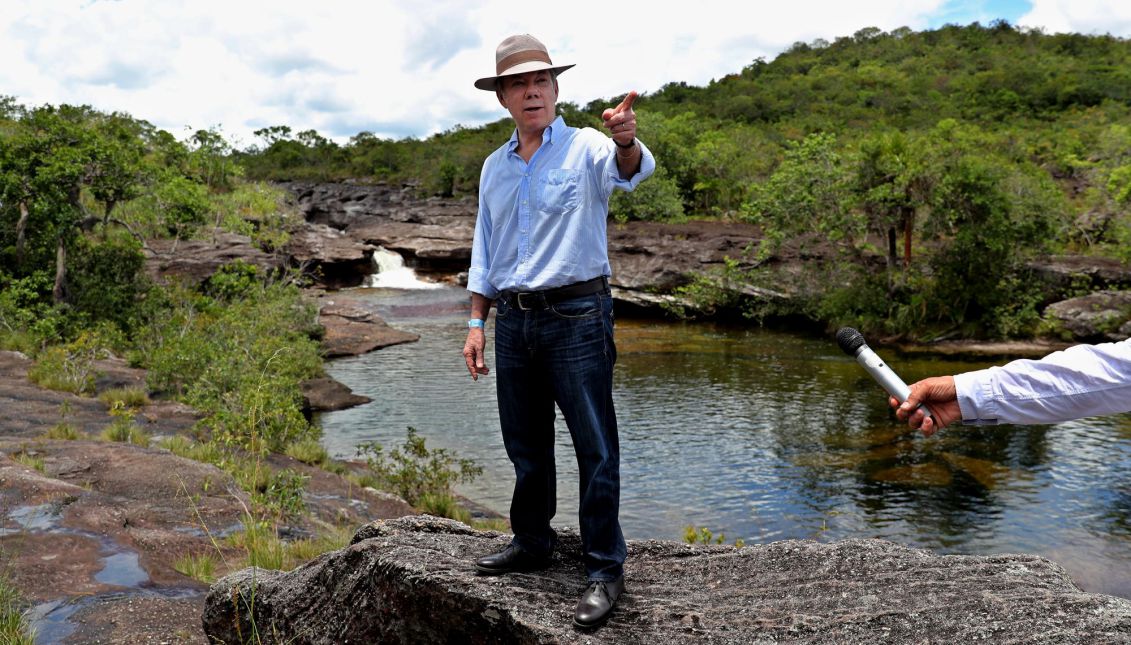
(518, 58)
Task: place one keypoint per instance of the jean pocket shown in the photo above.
(502, 307)
(559, 191)
(578, 308)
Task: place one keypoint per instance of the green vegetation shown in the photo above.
(201, 567)
(922, 170)
(14, 628)
(62, 431)
(309, 451)
(128, 397)
(703, 535)
(423, 477)
(31, 461)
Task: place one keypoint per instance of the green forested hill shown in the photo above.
(957, 154)
(1053, 99)
(931, 166)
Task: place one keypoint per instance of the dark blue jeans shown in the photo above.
(563, 354)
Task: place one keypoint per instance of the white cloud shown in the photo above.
(1083, 16)
(406, 67)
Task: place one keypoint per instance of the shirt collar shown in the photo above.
(552, 133)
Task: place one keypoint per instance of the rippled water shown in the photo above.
(764, 435)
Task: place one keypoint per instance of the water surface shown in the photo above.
(767, 435)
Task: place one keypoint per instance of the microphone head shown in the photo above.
(849, 340)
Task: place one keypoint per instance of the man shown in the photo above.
(540, 254)
(1081, 381)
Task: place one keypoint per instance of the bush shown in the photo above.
(239, 358)
(70, 367)
(414, 472)
(106, 279)
(282, 496)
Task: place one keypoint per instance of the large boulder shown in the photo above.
(1096, 317)
(194, 261)
(352, 327)
(410, 580)
(341, 261)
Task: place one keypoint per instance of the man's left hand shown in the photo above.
(621, 120)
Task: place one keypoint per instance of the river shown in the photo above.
(766, 435)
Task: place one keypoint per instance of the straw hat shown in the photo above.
(517, 55)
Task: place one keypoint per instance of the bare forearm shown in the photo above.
(480, 306)
(628, 160)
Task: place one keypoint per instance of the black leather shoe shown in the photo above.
(597, 603)
(509, 560)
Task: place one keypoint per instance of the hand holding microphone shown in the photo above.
(852, 342)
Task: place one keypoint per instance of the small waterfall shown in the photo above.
(390, 272)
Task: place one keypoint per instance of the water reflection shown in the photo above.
(765, 435)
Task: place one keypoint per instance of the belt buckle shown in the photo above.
(518, 300)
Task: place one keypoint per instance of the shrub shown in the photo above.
(107, 279)
(413, 471)
(70, 367)
(239, 359)
(283, 494)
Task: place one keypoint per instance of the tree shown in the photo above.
(118, 174)
(891, 180)
(47, 159)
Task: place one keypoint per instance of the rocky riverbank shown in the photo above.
(90, 529)
(1089, 299)
(410, 581)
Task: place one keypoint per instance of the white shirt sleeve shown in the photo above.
(1081, 381)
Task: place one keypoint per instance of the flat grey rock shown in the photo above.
(411, 580)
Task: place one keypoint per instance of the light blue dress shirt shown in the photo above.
(1081, 381)
(542, 224)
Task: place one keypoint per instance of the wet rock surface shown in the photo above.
(411, 580)
(90, 530)
(353, 327)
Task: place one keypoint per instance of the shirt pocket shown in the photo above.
(559, 191)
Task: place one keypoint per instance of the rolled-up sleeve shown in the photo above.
(1081, 381)
(611, 171)
(480, 252)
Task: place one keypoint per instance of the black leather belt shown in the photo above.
(529, 300)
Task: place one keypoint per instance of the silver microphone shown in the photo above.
(852, 342)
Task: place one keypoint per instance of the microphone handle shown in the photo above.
(884, 375)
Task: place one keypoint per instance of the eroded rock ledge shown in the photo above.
(410, 580)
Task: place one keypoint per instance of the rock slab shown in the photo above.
(410, 580)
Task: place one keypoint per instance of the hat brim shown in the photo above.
(489, 83)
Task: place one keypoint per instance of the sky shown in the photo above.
(405, 68)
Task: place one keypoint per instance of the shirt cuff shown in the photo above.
(976, 398)
(477, 283)
(647, 167)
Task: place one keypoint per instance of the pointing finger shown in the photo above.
(629, 99)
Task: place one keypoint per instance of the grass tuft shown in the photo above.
(62, 430)
(130, 397)
(200, 567)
